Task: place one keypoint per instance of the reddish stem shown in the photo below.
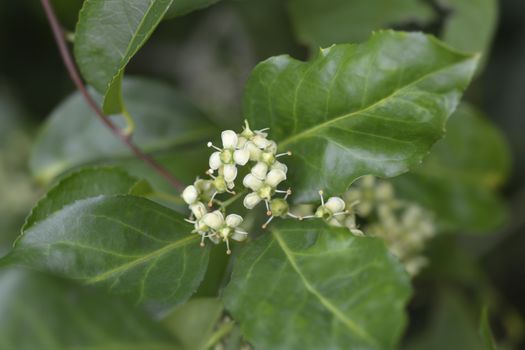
(77, 80)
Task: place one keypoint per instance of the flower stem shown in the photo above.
(72, 70)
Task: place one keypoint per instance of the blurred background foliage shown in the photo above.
(471, 181)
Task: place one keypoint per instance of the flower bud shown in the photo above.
(279, 207)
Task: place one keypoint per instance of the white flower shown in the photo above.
(333, 207)
(225, 228)
(233, 221)
(260, 170)
(190, 194)
(229, 156)
(262, 189)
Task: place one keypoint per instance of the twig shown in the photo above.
(72, 70)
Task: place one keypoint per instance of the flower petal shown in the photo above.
(241, 141)
(213, 220)
(281, 166)
(260, 141)
(198, 209)
(233, 220)
(215, 160)
(271, 147)
(275, 177)
(252, 182)
(230, 172)
(241, 156)
(251, 200)
(335, 204)
(239, 235)
(190, 194)
(255, 152)
(229, 139)
(260, 170)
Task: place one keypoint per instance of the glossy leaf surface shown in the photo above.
(309, 286)
(42, 312)
(86, 183)
(129, 244)
(108, 35)
(73, 135)
(374, 108)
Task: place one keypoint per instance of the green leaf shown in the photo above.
(183, 7)
(107, 36)
(468, 14)
(485, 331)
(193, 322)
(310, 286)
(42, 312)
(323, 23)
(457, 184)
(131, 245)
(374, 108)
(73, 135)
(85, 183)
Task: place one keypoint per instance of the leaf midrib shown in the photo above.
(336, 119)
(154, 254)
(349, 323)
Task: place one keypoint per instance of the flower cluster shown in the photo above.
(265, 175)
(404, 226)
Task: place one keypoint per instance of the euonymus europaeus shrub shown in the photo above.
(291, 219)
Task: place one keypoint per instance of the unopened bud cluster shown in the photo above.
(248, 148)
(404, 226)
